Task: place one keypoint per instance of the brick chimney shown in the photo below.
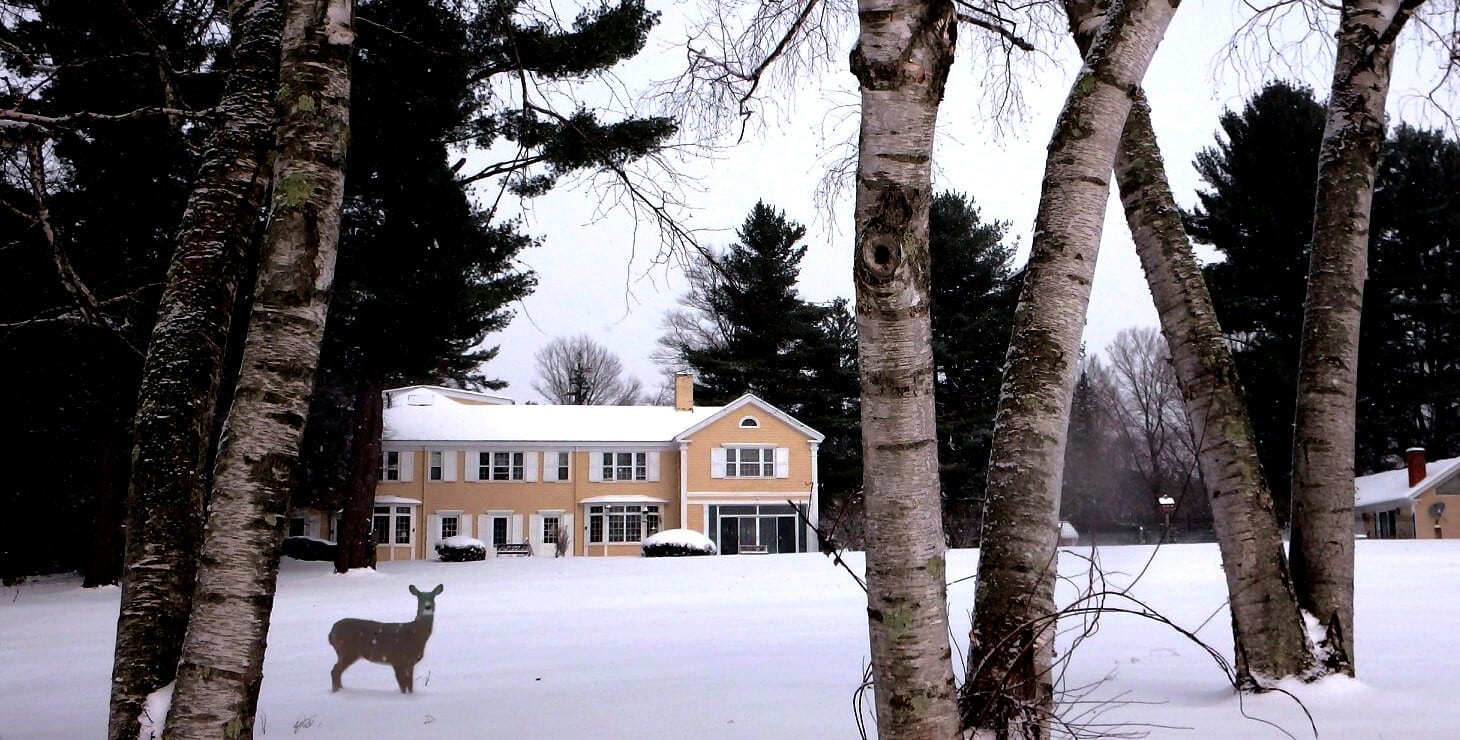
(1414, 459)
(684, 392)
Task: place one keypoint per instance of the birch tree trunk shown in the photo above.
(1323, 434)
(1267, 627)
(901, 60)
(164, 518)
(222, 661)
(1009, 692)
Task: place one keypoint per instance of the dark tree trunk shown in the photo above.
(355, 539)
(104, 563)
(164, 519)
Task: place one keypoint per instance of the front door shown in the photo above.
(729, 535)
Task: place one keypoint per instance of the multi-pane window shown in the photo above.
(750, 462)
(623, 523)
(391, 469)
(450, 525)
(392, 525)
(437, 463)
(625, 465)
(501, 466)
(549, 529)
(499, 530)
(564, 460)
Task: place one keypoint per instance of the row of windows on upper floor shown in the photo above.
(740, 461)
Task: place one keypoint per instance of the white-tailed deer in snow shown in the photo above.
(401, 644)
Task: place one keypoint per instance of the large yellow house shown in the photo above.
(601, 477)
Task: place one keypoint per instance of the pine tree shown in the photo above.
(973, 292)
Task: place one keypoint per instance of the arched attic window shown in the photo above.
(749, 422)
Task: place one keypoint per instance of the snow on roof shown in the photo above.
(396, 500)
(1392, 486)
(421, 395)
(450, 422)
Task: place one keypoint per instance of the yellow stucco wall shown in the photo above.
(526, 498)
(1447, 526)
(772, 431)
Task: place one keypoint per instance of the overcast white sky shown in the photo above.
(597, 274)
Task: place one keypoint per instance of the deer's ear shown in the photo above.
(439, 588)
(414, 592)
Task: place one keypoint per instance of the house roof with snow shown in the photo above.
(1392, 486)
(429, 394)
(443, 420)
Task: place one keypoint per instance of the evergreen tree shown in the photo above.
(1257, 212)
(747, 330)
(974, 289)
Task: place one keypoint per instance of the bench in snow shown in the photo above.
(514, 548)
(754, 549)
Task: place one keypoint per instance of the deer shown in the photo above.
(399, 644)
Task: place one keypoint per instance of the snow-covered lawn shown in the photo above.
(757, 647)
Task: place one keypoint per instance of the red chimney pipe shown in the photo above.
(1414, 459)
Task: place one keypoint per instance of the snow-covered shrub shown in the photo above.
(677, 543)
(309, 548)
(460, 549)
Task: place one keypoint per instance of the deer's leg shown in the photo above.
(339, 670)
(404, 677)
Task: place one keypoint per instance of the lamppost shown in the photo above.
(1167, 505)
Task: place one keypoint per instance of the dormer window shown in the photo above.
(749, 422)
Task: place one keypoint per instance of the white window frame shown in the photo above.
(550, 524)
(763, 467)
(601, 519)
(515, 467)
(564, 466)
(614, 468)
(749, 422)
(450, 518)
(393, 515)
(390, 466)
(436, 465)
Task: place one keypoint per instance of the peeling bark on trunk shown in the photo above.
(1008, 692)
(221, 668)
(1323, 438)
(901, 60)
(164, 519)
(1268, 634)
(356, 543)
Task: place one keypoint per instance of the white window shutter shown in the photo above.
(515, 533)
(529, 466)
(464, 524)
(534, 534)
(484, 526)
(717, 462)
(549, 466)
(448, 465)
(473, 459)
(406, 458)
(433, 534)
(595, 467)
(783, 462)
(653, 465)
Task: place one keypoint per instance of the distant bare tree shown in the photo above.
(581, 372)
(1149, 412)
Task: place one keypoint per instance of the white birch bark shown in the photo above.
(1323, 434)
(901, 60)
(222, 661)
(181, 376)
(1008, 692)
